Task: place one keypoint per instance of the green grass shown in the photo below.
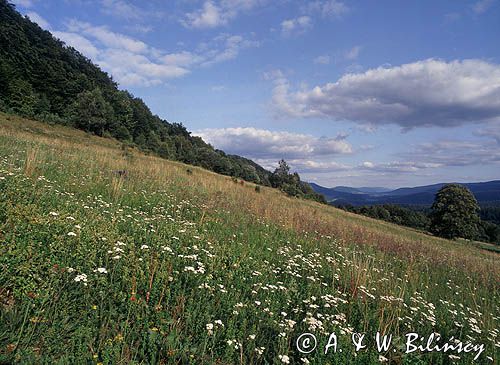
(201, 270)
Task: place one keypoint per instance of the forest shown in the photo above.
(44, 79)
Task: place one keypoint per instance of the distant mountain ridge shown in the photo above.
(362, 190)
(486, 193)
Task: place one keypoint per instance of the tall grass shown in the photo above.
(164, 266)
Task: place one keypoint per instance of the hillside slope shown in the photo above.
(169, 266)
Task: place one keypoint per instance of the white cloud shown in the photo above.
(78, 42)
(107, 37)
(424, 93)
(322, 60)
(209, 16)
(225, 47)
(296, 26)
(35, 17)
(482, 6)
(132, 62)
(214, 14)
(137, 64)
(143, 66)
(271, 145)
(183, 58)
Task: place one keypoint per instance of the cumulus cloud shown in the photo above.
(296, 26)
(266, 144)
(146, 65)
(424, 93)
(35, 17)
(214, 14)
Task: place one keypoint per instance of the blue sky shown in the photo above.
(358, 93)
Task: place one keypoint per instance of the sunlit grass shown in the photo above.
(169, 266)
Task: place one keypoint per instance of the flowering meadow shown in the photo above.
(165, 265)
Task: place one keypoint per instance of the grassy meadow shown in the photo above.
(172, 264)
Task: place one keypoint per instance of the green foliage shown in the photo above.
(92, 113)
(489, 232)
(455, 213)
(394, 214)
(291, 184)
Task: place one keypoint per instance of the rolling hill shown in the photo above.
(486, 193)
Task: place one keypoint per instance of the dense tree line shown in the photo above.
(394, 214)
(455, 213)
(43, 79)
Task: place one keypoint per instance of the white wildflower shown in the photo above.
(284, 359)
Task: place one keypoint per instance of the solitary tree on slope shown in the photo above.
(455, 213)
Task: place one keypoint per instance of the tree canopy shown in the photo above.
(454, 213)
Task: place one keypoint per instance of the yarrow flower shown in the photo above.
(210, 327)
(82, 278)
(71, 234)
(101, 270)
(260, 350)
(284, 359)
